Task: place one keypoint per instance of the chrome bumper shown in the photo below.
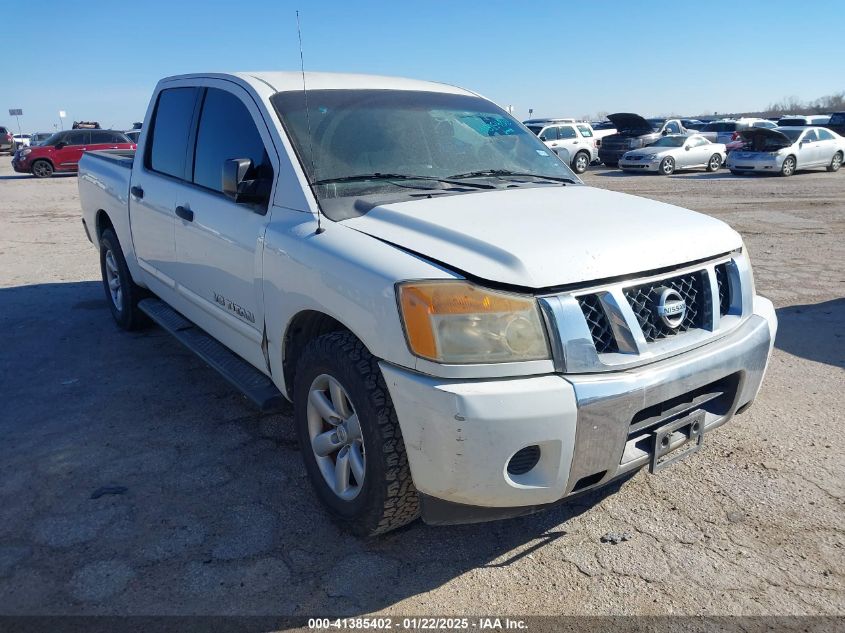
(608, 403)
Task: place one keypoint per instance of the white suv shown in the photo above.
(576, 137)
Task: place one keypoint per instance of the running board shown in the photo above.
(243, 376)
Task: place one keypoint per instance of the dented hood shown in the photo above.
(542, 237)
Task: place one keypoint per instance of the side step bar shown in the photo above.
(243, 376)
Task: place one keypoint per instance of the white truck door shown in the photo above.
(156, 177)
(219, 241)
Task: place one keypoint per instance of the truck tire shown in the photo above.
(581, 162)
(122, 294)
(667, 166)
(835, 162)
(714, 163)
(788, 167)
(350, 437)
(42, 169)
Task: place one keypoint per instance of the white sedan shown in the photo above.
(784, 150)
(675, 151)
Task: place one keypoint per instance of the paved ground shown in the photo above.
(217, 516)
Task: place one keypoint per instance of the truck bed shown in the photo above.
(104, 186)
(122, 157)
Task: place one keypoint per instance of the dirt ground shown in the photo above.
(218, 517)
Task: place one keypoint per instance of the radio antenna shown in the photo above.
(320, 228)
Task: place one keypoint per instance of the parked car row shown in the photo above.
(745, 145)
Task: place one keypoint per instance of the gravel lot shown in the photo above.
(218, 517)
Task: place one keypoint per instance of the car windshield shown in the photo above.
(360, 142)
(53, 139)
(837, 119)
(670, 141)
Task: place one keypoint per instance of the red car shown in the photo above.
(62, 151)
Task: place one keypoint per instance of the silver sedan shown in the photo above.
(784, 150)
(675, 151)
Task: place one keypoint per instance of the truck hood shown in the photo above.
(542, 237)
(629, 121)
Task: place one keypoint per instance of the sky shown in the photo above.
(100, 59)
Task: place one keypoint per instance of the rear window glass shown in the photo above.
(792, 122)
(170, 131)
(585, 131)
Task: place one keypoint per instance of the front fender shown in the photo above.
(339, 272)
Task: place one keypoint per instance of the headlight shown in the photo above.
(458, 322)
(26, 151)
(633, 143)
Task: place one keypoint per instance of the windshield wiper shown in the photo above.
(386, 176)
(499, 173)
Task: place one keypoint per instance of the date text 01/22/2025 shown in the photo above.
(418, 624)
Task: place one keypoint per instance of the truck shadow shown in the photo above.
(206, 501)
(814, 331)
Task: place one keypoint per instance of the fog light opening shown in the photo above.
(524, 460)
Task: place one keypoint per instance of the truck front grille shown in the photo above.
(644, 298)
(724, 289)
(598, 323)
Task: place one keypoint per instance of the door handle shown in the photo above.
(185, 214)
(136, 191)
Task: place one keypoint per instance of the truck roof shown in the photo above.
(284, 81)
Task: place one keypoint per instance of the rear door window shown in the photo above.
(585, 131)
(824, 135)
(227, 130)
(567, 132)
(171, 129)
(78, 138)
(549, 134)
(101, 137)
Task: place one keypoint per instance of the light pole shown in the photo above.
(62, 115)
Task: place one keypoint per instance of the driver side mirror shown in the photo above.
(60, 145)
(236, 186)
(665, 132)
(688, 147)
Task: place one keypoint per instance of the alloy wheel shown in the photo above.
(788, 166)
(581, 163)
(41, 169)
(336, 438)
(113, 281)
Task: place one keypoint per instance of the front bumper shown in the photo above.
(611, 155)
(21, 166)
(639, 165)
(739, 161)
(591, 428)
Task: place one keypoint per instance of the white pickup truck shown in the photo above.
(467, 332)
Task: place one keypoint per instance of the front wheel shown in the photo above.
(788, 167)
(667, 166)
(42, 169)
(714, 163)
(350, 437)
(122, 293)
(835, 162)
(581, 162)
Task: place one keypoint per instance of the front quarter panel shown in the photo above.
(340, 272)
